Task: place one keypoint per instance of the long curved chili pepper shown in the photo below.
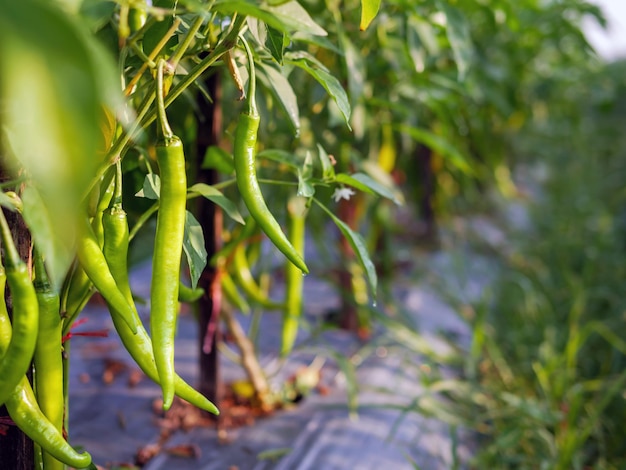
(294, 281)
(245, 173)
(139, 345)
(231, 293)
(188, 294)
(75, 296)
(168, 247)
(93, 262)
(48, 358)
(242, 274)
(24, 411)
(78, 288)
(22, 405)
(25, 316)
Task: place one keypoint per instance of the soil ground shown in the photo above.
(112, 405)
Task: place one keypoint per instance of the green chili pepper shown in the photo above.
(93, 262)
(24, 411)
(168, 247)
(231, 293)
(48, 356)
(139, 346)
(76, 294)
(78, 288)
(25, 318)
(188, 294)
(21, 403)
(137, 16)
(294, 282)
(245, 173)
(242, 274)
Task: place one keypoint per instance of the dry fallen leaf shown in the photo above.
(188, 451)
(112, 369)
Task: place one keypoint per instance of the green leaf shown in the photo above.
(459, 37)
(288, 17)
(330, 84)
(282, 90)
(282, 157)
(358, 245)
(52, 96)
(355, 69)
(352, 385)
(328, 170)
(440, 145)
(292, 13)
(345, 178)
(193, 245)
(216, 196)
(366, 183)
(305, 175)
(218, 159)
(151, 187)
(58, 252)
(369, 10)
(276, 43)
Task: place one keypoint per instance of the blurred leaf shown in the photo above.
(305, 174)
(347, 367)
(330, 84)
(288, 17)
(58, 253)
(328, 170)
(11, 203)
(195, 251)
(218, 159)
(258, 29)
(282, 157)
(282, 90)
(459, 37)
(366, 183)
(355, 183)
(355, 69)
(359, 246)
(151, 187)
(216, 196)
(273, 454)
(440, 145)
(320, 41)
(52, 95)
(369, 10)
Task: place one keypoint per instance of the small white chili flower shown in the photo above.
(343, 193)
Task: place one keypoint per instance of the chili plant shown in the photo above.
(91, 105)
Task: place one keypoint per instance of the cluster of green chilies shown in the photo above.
(33, 332)
(41, 318)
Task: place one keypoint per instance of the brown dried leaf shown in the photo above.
(188, 451)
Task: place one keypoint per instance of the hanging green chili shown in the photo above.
(188, 294)
(231, 293)
(48, 356)
(24, 411)
(92, 260)
(168, 246)
(78, 288)
(25, 316)
(294, 281)
(76, 294)
(242, 274)
(245, 170)
(139, 346)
